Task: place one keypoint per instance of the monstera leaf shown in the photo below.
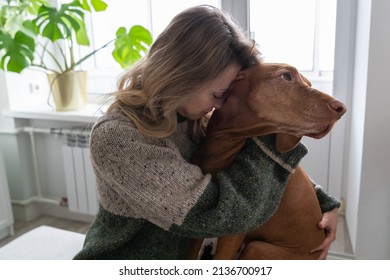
(60, 24)
(18, 51)
(130, 46)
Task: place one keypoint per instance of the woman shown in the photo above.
(152, 199)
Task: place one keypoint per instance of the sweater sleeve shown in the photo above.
(247, 193)
(327, 201)
(147, 179)
(143, 178)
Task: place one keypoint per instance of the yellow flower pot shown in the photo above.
(69, 90)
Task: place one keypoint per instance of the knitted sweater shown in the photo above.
(152, 200)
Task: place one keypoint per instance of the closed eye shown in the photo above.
(221, 95)
(218, 97)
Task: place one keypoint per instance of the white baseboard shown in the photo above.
(6, 232)
(35, 209)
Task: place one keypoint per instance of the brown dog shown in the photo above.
(271, 99)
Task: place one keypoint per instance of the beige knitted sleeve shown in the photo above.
(142, 177)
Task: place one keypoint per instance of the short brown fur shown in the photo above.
(271, 99)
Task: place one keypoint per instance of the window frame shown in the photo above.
(240, 11)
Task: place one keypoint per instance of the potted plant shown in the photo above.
(37, 34)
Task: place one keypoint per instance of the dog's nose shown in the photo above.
(338, 107)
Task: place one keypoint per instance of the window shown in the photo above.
(299, 32)
(152, 14)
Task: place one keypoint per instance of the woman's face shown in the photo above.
(211, 95)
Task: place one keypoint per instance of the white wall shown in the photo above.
(27, 89)
(357, 115)
(3, 98)
(368, 163)
(373, 229)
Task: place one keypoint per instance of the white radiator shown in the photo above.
(80, 178)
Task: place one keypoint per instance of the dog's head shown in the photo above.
(275, 98)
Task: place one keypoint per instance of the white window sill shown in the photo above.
(44, 112)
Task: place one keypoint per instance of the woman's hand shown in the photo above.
(329, 225)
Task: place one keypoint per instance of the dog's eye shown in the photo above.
(287, 76)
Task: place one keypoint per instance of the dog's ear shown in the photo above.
(286, 142)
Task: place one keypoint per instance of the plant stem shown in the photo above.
(45, 68)
(45, 50)
(72, 64)
(92, 53)
(65, 60)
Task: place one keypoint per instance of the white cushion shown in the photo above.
(43, 243)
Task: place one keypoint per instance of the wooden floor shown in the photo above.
(341, 245)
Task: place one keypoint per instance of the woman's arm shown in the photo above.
(248, 192)
(148, 179)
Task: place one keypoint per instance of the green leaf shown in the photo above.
(18, 51)
(59, 24)
(33, 5)
(131, 46)
(98, 5)
(81, 34)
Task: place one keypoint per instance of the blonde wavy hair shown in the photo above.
(196, 46)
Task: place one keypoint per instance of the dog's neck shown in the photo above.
(226, 137)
